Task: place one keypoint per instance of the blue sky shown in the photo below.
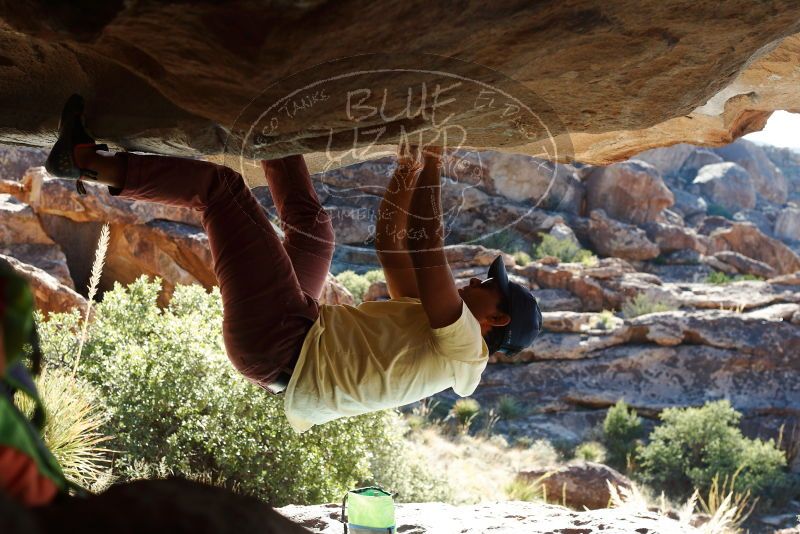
(782, 129)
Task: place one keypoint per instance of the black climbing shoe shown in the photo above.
(71, 134)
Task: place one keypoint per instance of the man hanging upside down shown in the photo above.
(329, 361)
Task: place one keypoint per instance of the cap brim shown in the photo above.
(497, 271)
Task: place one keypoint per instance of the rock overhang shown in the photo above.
(618, 78)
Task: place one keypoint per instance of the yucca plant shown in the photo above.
(73, 430)
(464, 411)
(723, 501)
(508, 407)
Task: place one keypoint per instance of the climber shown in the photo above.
(328, 361)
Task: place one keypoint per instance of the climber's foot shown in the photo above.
(73, 143)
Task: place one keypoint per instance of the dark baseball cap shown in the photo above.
(521, 305)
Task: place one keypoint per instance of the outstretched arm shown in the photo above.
(437, 290)
(391, 233)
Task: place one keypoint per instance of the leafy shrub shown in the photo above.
(175, 400)
(522, 258)
(375, 275)
(74, 427)
(591, 451)
(605, 320)
(358, 284)
(506, 240)
(642, 304)
(465, 410)
(720, 278)
(508, 407)
(622, 429)
(692, 446)
(563, 249)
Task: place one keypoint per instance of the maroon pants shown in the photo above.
(269, 288)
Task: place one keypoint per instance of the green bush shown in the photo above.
(358, 284)
(508, 407)
(622, 429)
(465, 410)
(591, 451)
(563, 249)
(720, 278)
(375, 275)
(642, 304)
(174, 400)
(522, 258)
(693, 445)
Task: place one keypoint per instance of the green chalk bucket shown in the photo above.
(368, 511)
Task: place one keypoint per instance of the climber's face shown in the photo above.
(483, 298)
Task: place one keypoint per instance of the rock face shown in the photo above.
(578, 485)
(679, 70)
(509, 516)
(631, 191)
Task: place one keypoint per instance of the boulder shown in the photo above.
(49, 294)
(459, 256)
(688, 204)
(334, 292)
(746, 239)
(767, 179)
(15, 160)
(555, 299)
(562, 232)
(578, 485)
(726, 184)
(631, 191)
(672, 238)
(787, 226)
(501, 516)
(614, 238)
(762, 216)
(763, 334)
(744, 295)
(696, 160)
(522, 178)
(667, 160)
(711, 223)
(57, 196)
(744, 265)
(22, 236)
(378, 290)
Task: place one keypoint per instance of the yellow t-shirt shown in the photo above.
(380, 354)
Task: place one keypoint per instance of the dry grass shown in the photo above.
(477, 468)
(73, 427)
(727, 511)
(94, 283)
